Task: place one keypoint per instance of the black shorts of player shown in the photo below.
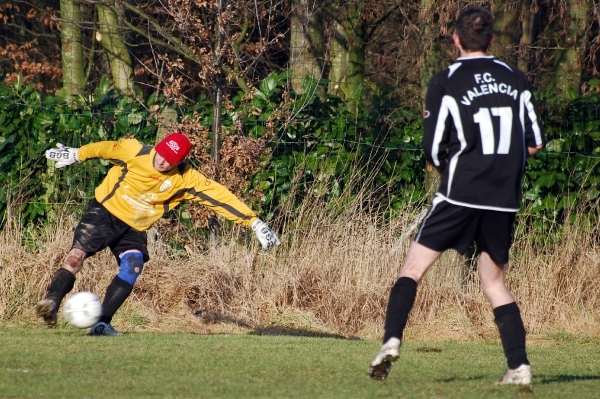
(449, 226)
(98, 229)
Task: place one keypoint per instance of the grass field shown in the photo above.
(65, 363)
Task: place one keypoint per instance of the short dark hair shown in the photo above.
(475, 29)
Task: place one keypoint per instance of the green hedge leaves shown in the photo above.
(318, 146)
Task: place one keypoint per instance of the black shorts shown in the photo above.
(99, 229)
(451, 226)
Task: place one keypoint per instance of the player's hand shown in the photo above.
(64, 155)
(265, 235)
(531, 151)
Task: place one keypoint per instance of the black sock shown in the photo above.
(116, 293)
(402, 298)
(512, 334)
(62, 283)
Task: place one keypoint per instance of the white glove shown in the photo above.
(64, 155)
(265, 235)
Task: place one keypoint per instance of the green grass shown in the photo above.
(64, 363)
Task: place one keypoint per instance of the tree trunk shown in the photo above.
(306, 43)
(338, 61)
(528, 16)
(567, 64)
(507, 32)
(431, 56)
(347, 53)
(72, 49)
(112, 42)
(347, 64)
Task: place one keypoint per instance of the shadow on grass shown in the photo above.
(295, 332)
(524, 389)
(569, 378)
(214, 317)
(455, 379)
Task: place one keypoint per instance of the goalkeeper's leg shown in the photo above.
(131, 264)
(62, 283)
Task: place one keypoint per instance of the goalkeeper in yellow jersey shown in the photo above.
(144, 183)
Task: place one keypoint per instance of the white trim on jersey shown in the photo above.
(448, 107)
(475, 206)
(453, 68)
(438, 134)
(488, 57)
(436, 200)
(503, 64)
(535, 127)
(522, 117)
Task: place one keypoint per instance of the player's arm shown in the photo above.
(218, 198)
(111, 150)
(123, 150)
(436, 126)
(535, 137)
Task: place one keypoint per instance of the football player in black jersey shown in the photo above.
(480, 124)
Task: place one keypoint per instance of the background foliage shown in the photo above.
(290, 146)
(563, 179)
(318, 142)
(319, 99)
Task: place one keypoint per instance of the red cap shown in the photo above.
(174, 148)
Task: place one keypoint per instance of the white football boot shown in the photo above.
(381, 365)
(102, 328)
(519, 376)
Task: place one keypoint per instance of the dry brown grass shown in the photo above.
(331, 276)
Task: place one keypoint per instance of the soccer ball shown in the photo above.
(83, 309)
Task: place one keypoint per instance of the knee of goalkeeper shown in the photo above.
(130, 266)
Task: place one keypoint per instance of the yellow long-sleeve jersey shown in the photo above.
(136, 193)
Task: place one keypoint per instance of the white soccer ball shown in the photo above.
(83, 309)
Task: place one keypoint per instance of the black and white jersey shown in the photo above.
(480, 116)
